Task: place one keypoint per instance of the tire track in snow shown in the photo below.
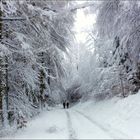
(111, 134)
(72, 133)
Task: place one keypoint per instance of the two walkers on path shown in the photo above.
(65, 104)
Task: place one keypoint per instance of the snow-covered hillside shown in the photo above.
(110, 119)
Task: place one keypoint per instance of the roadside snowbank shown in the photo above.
(119, 116)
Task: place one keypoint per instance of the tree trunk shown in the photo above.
(4, 83)
(6, 80)
(0, 24)
(4, 112)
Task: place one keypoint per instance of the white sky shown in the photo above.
(83, 24)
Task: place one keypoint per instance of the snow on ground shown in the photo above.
(111, 119)
(118, 117)
(51, 125)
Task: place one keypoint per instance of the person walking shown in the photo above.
(67, 104)
(64, 104)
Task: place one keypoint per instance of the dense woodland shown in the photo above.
(37, 48)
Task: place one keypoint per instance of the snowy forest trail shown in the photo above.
(64, 124)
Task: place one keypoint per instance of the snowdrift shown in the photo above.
(120, 117)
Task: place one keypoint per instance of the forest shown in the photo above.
(43, 64)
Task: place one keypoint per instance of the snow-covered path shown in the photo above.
(85, 129)
(62, 124)
(109, 119)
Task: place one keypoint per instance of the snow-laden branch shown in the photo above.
(70, 9)
(60, 12)
(12, 18)
(80, 6)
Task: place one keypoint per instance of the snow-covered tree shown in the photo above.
(36, 39)
(116, 45)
